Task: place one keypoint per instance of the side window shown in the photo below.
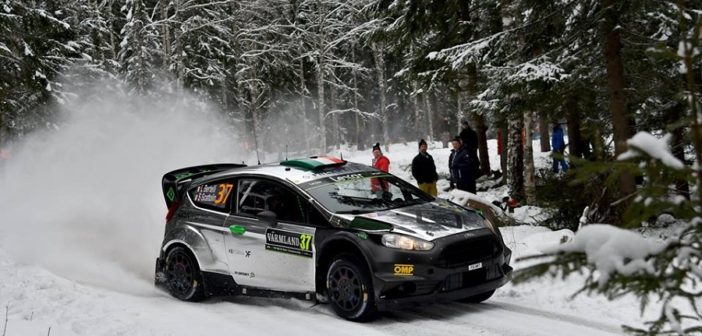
(256, 195)
(214, 195)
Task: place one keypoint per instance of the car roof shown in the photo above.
(294, 171)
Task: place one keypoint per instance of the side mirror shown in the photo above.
(268, 217)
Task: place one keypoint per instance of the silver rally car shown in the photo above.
(323, 229)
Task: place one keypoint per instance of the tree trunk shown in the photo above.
(379, 57)
(481, 130)
(357, 138)
(417, 112)
(321, 110)
(621, 122)
(677, 143)
(544, 134)
(336, 132)
(529, 179)
(303, 107)
(515, 158)
(166, 38)
(479, 122)
(430, 115)
(574, 137)
(504, 131)
(692, 92)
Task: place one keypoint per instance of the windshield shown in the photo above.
(369, 192)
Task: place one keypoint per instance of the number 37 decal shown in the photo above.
(224, 190)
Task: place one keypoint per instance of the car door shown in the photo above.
(276, 253)
(212, 201)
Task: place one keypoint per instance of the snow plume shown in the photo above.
(84, 200)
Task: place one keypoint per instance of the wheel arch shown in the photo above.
(341, 244)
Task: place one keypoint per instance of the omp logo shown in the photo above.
(404, 269)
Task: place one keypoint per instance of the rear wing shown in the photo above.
(173, 182)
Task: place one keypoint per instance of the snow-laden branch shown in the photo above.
(645, 143)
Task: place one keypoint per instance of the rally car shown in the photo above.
(323, 229)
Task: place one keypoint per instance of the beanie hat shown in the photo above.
(377, 146)
(422, 142)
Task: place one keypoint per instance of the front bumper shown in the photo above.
(440, 290)
(457, 268)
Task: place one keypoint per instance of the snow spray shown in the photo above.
(84, 200)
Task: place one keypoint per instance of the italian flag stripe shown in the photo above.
(313, 163)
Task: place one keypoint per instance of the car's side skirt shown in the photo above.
(217, 284)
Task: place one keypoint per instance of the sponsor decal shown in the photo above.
(346, 177)
(362, 235)
(213, 194)
(245, 274)
(245, 254)
(475, 266)
(403, 269)
(289, 242)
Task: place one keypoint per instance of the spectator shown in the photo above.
(558, 148)
(455, 146)
(464, 170)
(382, 163)
(424, 170)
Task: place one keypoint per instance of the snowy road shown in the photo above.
(38, 299)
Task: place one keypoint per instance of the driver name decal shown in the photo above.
(289, 242)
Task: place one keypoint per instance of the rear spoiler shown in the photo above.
(172, 182)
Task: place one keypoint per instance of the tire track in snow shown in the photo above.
(489, 318)
(553, 315)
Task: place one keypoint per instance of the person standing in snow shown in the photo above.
(455, 146)
(558, 148)
(382, 163)
(464, 170)
(424, 170)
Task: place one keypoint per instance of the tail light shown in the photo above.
(171, 211)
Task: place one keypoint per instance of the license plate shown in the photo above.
(475, 266)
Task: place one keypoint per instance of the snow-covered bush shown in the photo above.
(615, 261)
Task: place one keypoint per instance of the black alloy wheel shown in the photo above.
(350, 290)
(183, 277)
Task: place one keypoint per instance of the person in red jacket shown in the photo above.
(382, 163)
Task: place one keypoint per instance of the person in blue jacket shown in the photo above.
(558, 148)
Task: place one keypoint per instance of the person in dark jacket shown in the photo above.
(558, 148)
(424, 170)
(469, 138)
(463, 170)
(455, 146)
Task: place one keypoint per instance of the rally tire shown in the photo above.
(478, 298)
(183, 276)
(350, 289)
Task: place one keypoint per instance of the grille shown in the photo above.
(466, 252)
(471, 278)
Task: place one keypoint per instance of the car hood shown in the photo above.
(428, 221)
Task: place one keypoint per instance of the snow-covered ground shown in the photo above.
(80, 230)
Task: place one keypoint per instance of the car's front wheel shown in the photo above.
(183, 277)
(350, 289)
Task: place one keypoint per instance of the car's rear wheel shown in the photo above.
(350, 289)
(183, 277)
(478, 298)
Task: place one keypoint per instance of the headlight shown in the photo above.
(406, 243)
